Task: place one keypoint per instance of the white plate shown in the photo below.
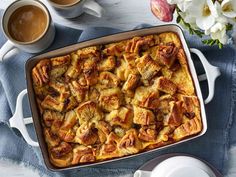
(177, 165)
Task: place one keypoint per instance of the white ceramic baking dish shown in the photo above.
(19, 122)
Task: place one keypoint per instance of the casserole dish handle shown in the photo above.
(19, 122)
(212, 72)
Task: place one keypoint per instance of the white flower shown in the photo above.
(218, 31)
(205, 13)
(189, 19)
(229, 8)
(182, 4)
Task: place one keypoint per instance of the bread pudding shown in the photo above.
(113, 100)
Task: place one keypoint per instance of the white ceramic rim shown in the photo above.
(12, 8)
(54, 4)
(180, 162)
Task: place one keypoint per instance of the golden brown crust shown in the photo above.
(191, 127)
(107, 64)
(51, 138)
(78, 91)
(59, 66)
(104, 130)
(66, 131)
(51, 103)
(147, 67)
(75, 67)
(122, 117)
(166, 54)
(88, 52)
(108, 79)
(138, 43)
(86, 134)
(143, 116)
(146, 97)
(148, 133)
(130, 143)
(131, 82)
(110, 148)
(90, 71)
(40, 72)
(118, 99)
(176, 114)
(165, 85)
(110, 99)
(82, 154)
(61, 155)
(88, 111)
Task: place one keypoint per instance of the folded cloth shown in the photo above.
(213, 146)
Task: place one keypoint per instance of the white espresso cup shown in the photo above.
(43, 41)
(76, 8)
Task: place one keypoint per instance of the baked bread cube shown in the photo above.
(148, 133)
(146, 97)
(147, 67)
(52, 103)
(131, 82)
(75, 67)
(108, 79)
(59, 66)
(165, 85)
(107, 64)
(166, 54)
(83, 154)
(88, 111)
(61, 155)
(110, 99)
(86, 134)
(40, 73)
(122, 117)
(130, 143)
(110, 148)
(175, 116)
(78, 91)
(104, 129)
(191, 127)
(143, 116)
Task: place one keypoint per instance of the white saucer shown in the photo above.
(186, 171)
(177, 165)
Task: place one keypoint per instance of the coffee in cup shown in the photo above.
(27, 23)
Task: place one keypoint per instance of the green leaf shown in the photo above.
(220, 45)
(178, 20)
(177, 9)
(212, 42)
(229, 27)
(204, 41)
(207, 41)
(199, 33)
(191, 31)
